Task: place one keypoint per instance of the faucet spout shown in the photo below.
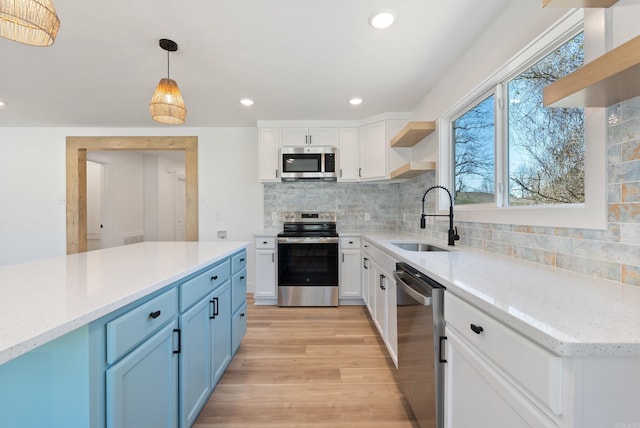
(452, 233)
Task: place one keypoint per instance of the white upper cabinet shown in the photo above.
(348, 154)
(268, 153)
(308, 137)
(373, 152)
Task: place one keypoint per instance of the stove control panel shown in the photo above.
(304, 217)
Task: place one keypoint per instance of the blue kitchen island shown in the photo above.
(137, 335)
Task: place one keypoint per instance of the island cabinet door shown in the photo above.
(220, 332)
(195, 360)
(142, 388)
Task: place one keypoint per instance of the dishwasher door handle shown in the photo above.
(423, 300)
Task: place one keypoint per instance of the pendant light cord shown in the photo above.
(168, 65)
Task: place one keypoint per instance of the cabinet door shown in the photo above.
(364, 279)
(238, 290)
(269, 154)
(348, 154)
(266, 273)
(295, 137)
(195, 360)
(142, 388)
(391, 322)
(220, 332)
(322, 137)
(477, 396)
(350, 275)
(373, 151)
(381, 300)
(238, 328)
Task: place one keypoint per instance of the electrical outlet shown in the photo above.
(222, 234)
(367, 216)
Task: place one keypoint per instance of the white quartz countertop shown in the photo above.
(568, 313)
(45, 299)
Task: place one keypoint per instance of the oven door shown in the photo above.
(309, 262)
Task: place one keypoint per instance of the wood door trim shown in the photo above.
(76, 156)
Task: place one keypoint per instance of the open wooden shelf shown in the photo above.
(578, 3)
(413, 169)
(411, 134)
(607, 80)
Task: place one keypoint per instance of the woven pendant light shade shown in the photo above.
(33, 22)
(167, 105)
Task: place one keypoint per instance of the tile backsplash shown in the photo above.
(613, 253)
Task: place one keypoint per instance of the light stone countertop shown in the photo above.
(45, 299)
(569, 313)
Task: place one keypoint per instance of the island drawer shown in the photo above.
(264, 242)
(350, 242)
(238, 327)
(197, 287)
(238, 290)
(133, 327)
(535, 369)
(239, 261)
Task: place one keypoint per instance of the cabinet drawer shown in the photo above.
(128, 330)
(350, 242)
(265, 242)
(534, 369)
(238, 290)
(238, 327)
(192, 290)
(239, 262)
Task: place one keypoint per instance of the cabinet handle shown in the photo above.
(440, 359)
(342, 257)
(476, 328)
(382, 286)
(214, 303)
(276, 173)
(350, 242)
(213, 278)
(241, 260)
(264, 242)
(273, 258)
(177, 330)
(242, 277)
(154, 315)
(340, 172)
(364, 263)
(359, 172)
(242, 314)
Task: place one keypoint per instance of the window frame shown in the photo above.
(588, 215)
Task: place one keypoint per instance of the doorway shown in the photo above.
(76, 176)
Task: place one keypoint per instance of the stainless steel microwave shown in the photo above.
(308, 163)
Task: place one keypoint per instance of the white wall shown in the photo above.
(32, 173)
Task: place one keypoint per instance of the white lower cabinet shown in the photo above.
(266, 287)
(494, 376)
(377, 270)
(350, 284)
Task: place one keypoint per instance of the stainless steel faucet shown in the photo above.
(453, 233)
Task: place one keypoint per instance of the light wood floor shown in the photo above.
(308, 368)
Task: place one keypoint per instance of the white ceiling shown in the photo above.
(298, 59)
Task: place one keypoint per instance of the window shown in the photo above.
(474, 154)
(546, 145)
(544, 162)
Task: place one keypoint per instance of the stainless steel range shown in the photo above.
(308, 260)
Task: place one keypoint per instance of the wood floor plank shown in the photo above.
(308, 368)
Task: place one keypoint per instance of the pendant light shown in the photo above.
(32, 22)
(167, 105)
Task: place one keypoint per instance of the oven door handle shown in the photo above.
(303, 240)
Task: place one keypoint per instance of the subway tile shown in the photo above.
(629, 109)
(630, 233)
(612, 233)
(499, 248)
(630, 192)
(589, 266)
(614, 153)
(631, 275)
(614, 193)
(624, 172)
(613, 252)
(535, 255)
(630, 151)
(625, 212)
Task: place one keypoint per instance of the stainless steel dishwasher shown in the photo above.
(420, 334)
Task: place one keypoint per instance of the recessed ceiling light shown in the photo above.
(355, 101)
(382, 19)
(246, 102)
(1, 103)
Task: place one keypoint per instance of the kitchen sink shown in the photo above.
(417, 246)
